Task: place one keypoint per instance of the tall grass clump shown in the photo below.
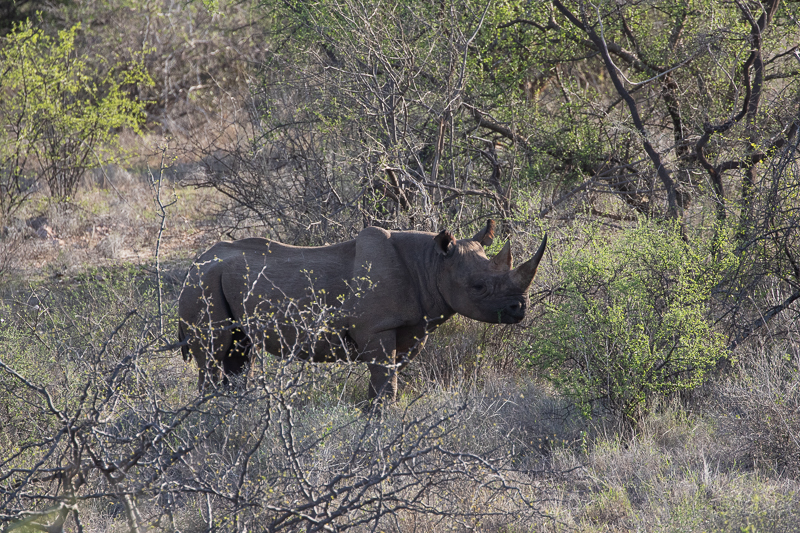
(759, 408)
(629, 321)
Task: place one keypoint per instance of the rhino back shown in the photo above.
(257, 270)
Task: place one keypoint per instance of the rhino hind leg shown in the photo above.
(219, 346)
(236, 361)
(227, 360)
(219, 354)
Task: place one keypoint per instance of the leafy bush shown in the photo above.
(629, 321)
(58, 119)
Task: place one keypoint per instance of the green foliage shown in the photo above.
(59, 119)
(630, 321)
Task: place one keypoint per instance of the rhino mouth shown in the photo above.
(512, 313)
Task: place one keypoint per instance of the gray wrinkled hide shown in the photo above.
(374, 298)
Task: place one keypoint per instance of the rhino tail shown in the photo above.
(183, 341)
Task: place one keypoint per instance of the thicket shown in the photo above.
(629, 322)
(656, 143)
(59, 117)
(100, 424)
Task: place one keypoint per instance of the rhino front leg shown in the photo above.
(382, 382)
(379, 352)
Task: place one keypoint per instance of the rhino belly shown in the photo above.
(287, 342)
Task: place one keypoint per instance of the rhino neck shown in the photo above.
(423, 265)
(432, 324)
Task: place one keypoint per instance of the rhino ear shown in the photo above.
(486, 235)
(445, 243)
(503, 260)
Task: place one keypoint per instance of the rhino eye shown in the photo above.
(479, 286)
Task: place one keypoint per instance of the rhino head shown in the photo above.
(489, 290)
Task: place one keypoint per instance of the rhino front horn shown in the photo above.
(522, 276)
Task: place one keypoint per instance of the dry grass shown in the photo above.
(759, 408)
(114, 220)
(673, 476)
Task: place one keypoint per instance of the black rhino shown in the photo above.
(255, 292)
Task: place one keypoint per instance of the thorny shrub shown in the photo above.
(106, 421)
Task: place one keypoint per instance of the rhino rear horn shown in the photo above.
(486, 235)
(522, 276)
(503, 260)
